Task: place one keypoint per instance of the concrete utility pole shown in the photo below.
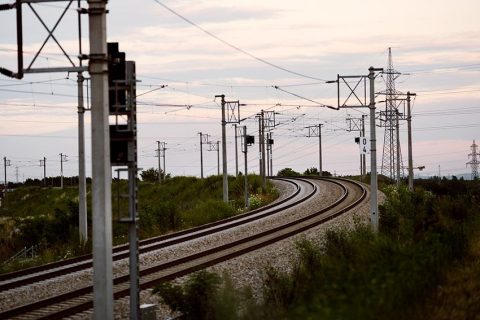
(410, 153)
(224, 150)
(262, 143)
(267, 154)
(101, 170)
(63, 158)
(159, 167)
(373, 152)
(271, 154)
(260, 155)
(245, 152)
(163, 144)
(236, 149)
(363, 156)
(82, 178)
(320, 168)
(218, 160)
(201, 156)
(261, 146)
(398, 155)
(203, 140)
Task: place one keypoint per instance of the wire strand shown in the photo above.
(235, 47)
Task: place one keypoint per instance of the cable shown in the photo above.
(298, 96)
(235, 47)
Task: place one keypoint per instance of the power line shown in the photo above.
(303, 98)
(233, 46)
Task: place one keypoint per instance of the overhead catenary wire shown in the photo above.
(235, 47)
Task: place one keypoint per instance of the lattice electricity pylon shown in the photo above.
(71, 67)
(389, 119)
(474, 160)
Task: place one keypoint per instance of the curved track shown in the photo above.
(31, 275)
(81, 299)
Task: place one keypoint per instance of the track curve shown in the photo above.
(352, 196)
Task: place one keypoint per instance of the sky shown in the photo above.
(243, 49)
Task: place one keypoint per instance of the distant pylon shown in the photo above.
(392, 156)
(474, 160)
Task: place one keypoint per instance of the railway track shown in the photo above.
(81, 299)
(31, 275)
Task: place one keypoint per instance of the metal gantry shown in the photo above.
(358, 125)
(69, 67)
(356, 97)
(316, 131)
(230, 115)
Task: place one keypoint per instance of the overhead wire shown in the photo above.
(235, 47)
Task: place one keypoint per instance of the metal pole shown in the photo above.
(101, 170)
(262, 144)
(82, 179)
(133, 245)
(61, 171)
(320, 168)
(44, 171)
(201, 157)
(5, 171)
(159, 168)
(164, 168)
(267, 155)
(410, 154)
(236, 151)
(397, 127)
(373, 156)
(271, 156)
(247, 204)
(224, 152)
(364, 157)
(218, 157)
(132, 186)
